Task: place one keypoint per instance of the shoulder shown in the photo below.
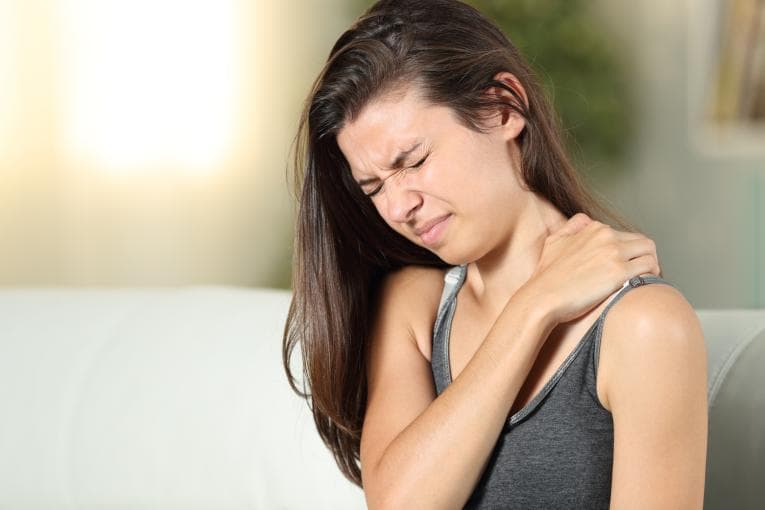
(410, 296)
(410, 285)
(411, 278)
(651, 329)
(652, 307)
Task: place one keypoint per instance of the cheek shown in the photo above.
(447, 178)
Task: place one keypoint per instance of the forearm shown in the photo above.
(438, 458)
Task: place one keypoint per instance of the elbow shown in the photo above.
(387, 502)
(395, 500)
(395, 493)
(380, 497)
(378, 504)
(377, 498)
(380, 500)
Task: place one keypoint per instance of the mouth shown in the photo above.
(431, 234)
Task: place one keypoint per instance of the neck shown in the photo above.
(496, 276)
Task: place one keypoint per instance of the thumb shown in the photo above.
(574, 224)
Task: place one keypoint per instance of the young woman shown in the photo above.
(452, 281)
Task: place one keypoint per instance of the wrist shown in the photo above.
(538, 308)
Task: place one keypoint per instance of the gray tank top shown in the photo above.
(557, 451)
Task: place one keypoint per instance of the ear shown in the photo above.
(511, 122)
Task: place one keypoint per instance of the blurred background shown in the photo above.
(146, 142)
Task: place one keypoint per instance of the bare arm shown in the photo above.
(657, 391)
(436, 460)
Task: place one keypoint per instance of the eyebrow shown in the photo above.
(398, 162)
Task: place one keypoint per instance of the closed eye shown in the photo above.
(375, 192)
(416, 165)
(419, 163)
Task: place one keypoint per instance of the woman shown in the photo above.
(451, 283)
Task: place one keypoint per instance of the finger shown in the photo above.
(636, 245)
(643, 265)
(622, 235)
(633, 248)
(574, 224)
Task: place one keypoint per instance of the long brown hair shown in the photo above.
(343, 248)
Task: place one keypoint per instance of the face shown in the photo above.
(436, 182)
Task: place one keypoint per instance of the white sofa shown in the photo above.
(176, 398)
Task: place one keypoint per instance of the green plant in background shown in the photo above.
(580, 70)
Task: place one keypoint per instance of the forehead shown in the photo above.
(387, 126)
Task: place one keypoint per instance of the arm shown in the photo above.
(419, 451)
(656, 389)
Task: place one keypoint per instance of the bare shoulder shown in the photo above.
(413, 294)
(415, 278)
(653, 325)
(655, 304)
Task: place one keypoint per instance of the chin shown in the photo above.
(449, 257)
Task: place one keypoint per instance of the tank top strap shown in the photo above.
(453, 280)
(636, 281)
(439, 357)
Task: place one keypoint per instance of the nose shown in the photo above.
(401, 200)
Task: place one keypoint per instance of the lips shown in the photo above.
(432, 236)
(429, 224)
